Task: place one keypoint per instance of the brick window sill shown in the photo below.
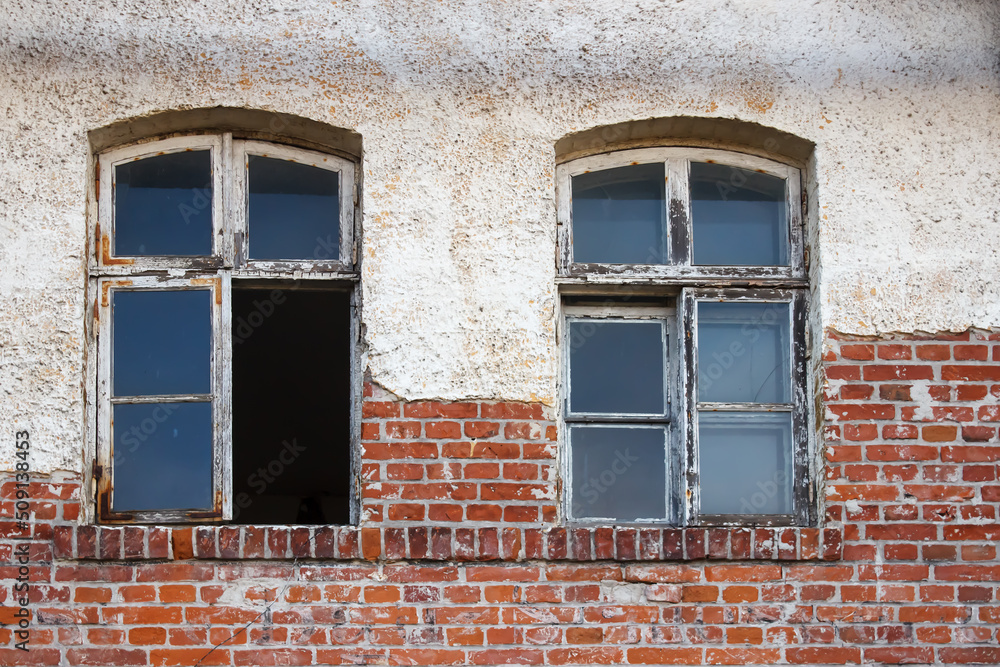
(442, 543)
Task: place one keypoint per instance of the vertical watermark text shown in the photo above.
(21, 554)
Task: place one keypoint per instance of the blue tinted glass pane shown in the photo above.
(746, 462)
(616, 367)
(163, 205)
(162, 456)
(619, 215)
(744, 352)
(294, 211)
(619, 473)
(162, 342)
(737, 217)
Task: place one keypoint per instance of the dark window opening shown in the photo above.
(291, 406)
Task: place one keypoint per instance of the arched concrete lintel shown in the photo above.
(725, 133)
(243, 123)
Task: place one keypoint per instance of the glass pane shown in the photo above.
(161, 342)
(616, 367)
(746, 462)
(743, 352)
(737, 217)
(619, 215)
(619, 472)
(294, 211)
(162, 456)
(163, 205)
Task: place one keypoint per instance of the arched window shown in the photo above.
(683, 285)
(223, 282)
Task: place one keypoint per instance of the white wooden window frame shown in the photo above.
(796, 406)
(347, 197)
(110, 273)
(612, 311)
(105, 261)
(678, 268)
(221, 357)
(680, 283)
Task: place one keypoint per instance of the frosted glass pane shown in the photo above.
(162, 342)
(163, 205)
(746, 462)
(619, 473)
(743, 352)
(619, 215)
(162, 456)
(738, 217)
(616, 367)
(294, 211)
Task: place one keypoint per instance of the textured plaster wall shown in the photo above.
(459, 105)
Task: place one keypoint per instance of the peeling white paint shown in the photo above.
(235, 594)
(976, 520)
(922, 402)
(623, 593)
(833, 386)
(543, 494)
(459, 105)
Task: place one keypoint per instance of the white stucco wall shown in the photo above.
(459, 105)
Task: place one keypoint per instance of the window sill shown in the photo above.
(442, 543)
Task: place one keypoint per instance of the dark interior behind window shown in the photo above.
(291, 406)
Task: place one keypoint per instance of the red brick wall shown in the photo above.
(461, 561)
(440, 464)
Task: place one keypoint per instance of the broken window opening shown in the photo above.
(291, 406)
(225, 391)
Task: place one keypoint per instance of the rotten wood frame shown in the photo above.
(347, 197)
(219, 397)
(677, 242)
(796, 406)
(103, 258)
(109, 273)
(680, 283)
(623, 310)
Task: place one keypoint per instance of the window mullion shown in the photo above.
(348, 206)
(223, 404)
(238, 203)
(805, 505)
(564, 215)
(691, 492)
(225, 226)
(796, 232)
(678, 212)
(168, 398)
